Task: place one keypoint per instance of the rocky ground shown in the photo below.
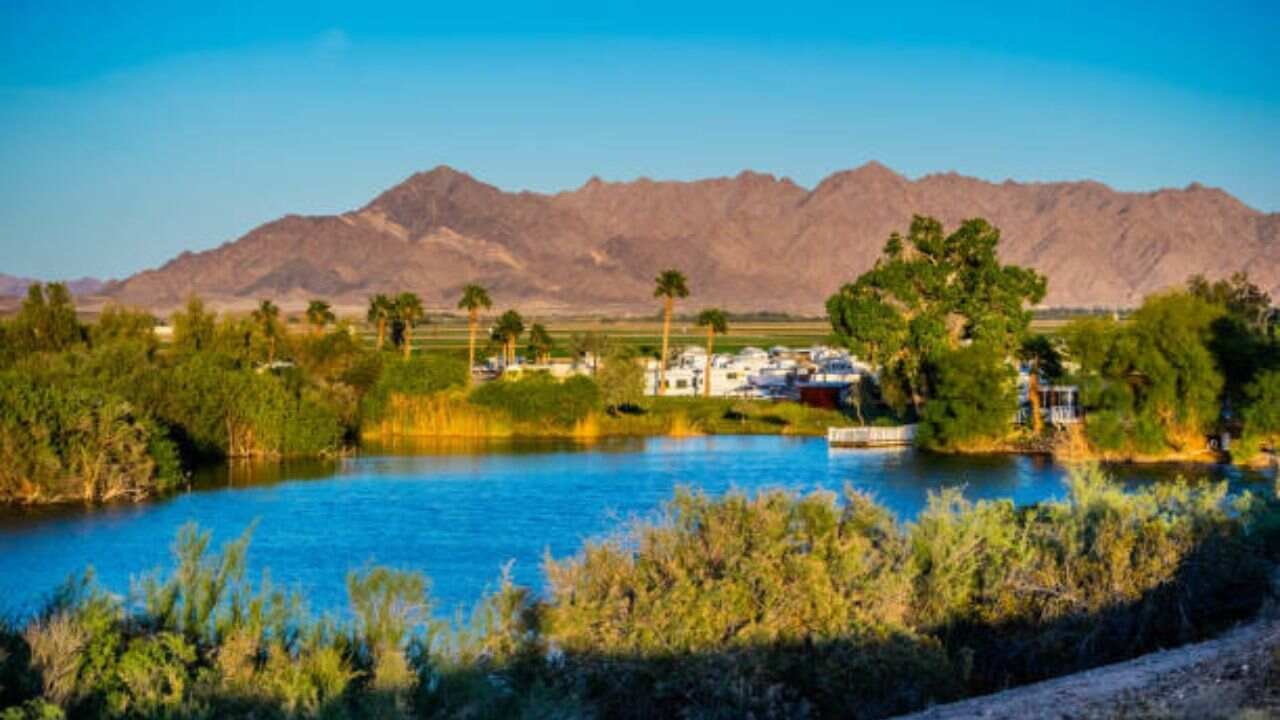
(1233, 677)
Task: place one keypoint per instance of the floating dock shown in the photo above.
(867, 436)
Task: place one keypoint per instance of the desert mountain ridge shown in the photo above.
(749, 242)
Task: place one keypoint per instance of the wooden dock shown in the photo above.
(867, 436)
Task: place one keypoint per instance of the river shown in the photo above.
(460, 511)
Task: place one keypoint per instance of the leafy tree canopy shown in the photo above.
(926, 294)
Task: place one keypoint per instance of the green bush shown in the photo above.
(418, 375)
(63, 441)
(973, 398)
(539, 397)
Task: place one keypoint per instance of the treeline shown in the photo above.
(102, 411)
(107, 411)
(948, 324)
(775, 605)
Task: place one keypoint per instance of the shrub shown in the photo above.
(418, 375)
(539, 397)
(62, 441)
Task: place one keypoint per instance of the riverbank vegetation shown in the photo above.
(773, 605)
(108, 410)
(948, 325)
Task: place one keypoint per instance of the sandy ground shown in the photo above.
(1233, 677)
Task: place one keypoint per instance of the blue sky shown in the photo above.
(131, 131)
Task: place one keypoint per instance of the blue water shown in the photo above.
(459, 512)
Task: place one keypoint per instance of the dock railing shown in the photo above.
(871, 436)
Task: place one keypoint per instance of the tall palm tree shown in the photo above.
(509, 328)
(267, 317)
(540, 342)
(474, 299)
(717, 323)
(319, 314)
(408, 310)
(380, 311)
(670, 285)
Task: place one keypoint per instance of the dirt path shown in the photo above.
(1235, 676)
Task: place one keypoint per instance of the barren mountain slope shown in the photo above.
(748, 242)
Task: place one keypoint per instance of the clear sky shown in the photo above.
(131, 131)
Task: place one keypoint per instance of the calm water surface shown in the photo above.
(459, 512)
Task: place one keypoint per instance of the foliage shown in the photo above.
(421, 375)
(620, 377)
(540, 342)
(1262, 413)
(775, 605)
(193, 327)
(68, 440)
(1154, 381)
(973, 401)
(925, 294)
(320, 314)
(538, 397)
(118, 324)
(46, 322)
(474, 299)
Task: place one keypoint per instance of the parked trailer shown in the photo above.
(871, 436)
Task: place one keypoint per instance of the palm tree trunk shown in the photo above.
(408, 340)
(706, 377)
(471, 346)
(666, 332)
(382, 332)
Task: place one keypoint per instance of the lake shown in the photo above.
(460, 511)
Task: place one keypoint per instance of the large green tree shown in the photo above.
(1150, 384)
(47, 320)
(927, 293)
(670, 285)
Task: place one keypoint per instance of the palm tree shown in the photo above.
(267, 317)
(380, 311)
(670, 286)
(540, 343)
(474, 299)
(319, 314)
(717, 323)
(509, 328)
(408, 310)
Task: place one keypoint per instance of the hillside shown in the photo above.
(749, 242)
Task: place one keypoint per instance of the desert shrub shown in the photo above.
(539, 397)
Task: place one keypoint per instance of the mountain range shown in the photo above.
(13, 286)
(750, 242)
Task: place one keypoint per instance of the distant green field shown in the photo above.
(644, 335)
